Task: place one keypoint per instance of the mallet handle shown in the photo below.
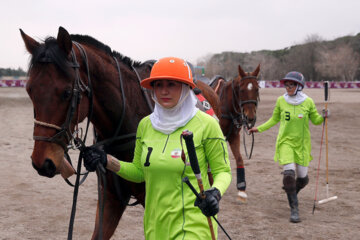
(326, 94)
(188, 137)
(326, 89)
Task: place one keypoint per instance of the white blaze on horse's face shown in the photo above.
(249, 86)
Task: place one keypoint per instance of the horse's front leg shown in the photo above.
(113, 210)
(234, 141)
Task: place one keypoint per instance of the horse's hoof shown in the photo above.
(242, 196)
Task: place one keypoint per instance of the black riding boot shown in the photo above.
(290, 189)
(301, 183)
(293, 202)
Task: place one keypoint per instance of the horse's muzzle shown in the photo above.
(48, 169)
(250, 122)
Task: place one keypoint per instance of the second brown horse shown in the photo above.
(235, 103)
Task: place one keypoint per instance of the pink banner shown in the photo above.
(13, 82)
(264, 84)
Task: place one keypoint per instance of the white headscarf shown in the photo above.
(296, 99)
(167, 120)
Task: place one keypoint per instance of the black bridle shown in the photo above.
(64, 136)
(237, 117)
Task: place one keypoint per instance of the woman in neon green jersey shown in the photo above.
(169, 204)
(293, 110)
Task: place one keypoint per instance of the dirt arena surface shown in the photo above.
(34, 207)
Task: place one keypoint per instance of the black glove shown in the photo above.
(92, 157)
(209, 206)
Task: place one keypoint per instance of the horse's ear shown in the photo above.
(241, 72)
(257, 71)
(30, 43)
(64, 40)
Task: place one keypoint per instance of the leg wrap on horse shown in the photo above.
(289, 181)
(241, 184)
(301, 183)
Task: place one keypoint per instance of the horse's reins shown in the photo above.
(65, 135)
(238, 103)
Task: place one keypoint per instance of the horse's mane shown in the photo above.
(49, 51)
(85, 39)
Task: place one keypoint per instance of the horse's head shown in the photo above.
(246, 94)
(58, 100)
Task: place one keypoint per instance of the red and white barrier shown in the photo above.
(13, 82)
(21, 82)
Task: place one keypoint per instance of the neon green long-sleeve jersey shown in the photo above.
(169, 204)
(293, 144)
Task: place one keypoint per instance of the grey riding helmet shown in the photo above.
(294, 77)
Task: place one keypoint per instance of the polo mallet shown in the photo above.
(188, 137)
(186, 180)
(327, 199)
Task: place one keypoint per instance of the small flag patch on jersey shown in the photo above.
(176, 153)
(300, 116)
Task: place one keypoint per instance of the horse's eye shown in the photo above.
(66, 94)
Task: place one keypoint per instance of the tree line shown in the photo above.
(318, 60)
(12, 72)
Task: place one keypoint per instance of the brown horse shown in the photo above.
(235, 104)
(74, 77)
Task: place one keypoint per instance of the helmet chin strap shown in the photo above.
(298, 89)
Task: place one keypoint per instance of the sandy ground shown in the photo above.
(34, 207)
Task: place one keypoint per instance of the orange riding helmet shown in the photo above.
(170, 68)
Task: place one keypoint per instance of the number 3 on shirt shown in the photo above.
(287, 116)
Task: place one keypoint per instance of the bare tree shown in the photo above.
(315, 58)
(340, 63)
(313, 38)
(303, 57)
(269, 69)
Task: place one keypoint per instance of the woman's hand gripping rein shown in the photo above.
(93, 157)
(209, 205)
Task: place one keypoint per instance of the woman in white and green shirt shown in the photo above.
(293, 110)
(169, 203)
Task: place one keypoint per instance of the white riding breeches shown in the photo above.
(301, 171)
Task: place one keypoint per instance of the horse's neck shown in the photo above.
(226, 98)
(226, 92)
(108, 99)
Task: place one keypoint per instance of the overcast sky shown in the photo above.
(190, 29)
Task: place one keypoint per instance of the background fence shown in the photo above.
(21, 82)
